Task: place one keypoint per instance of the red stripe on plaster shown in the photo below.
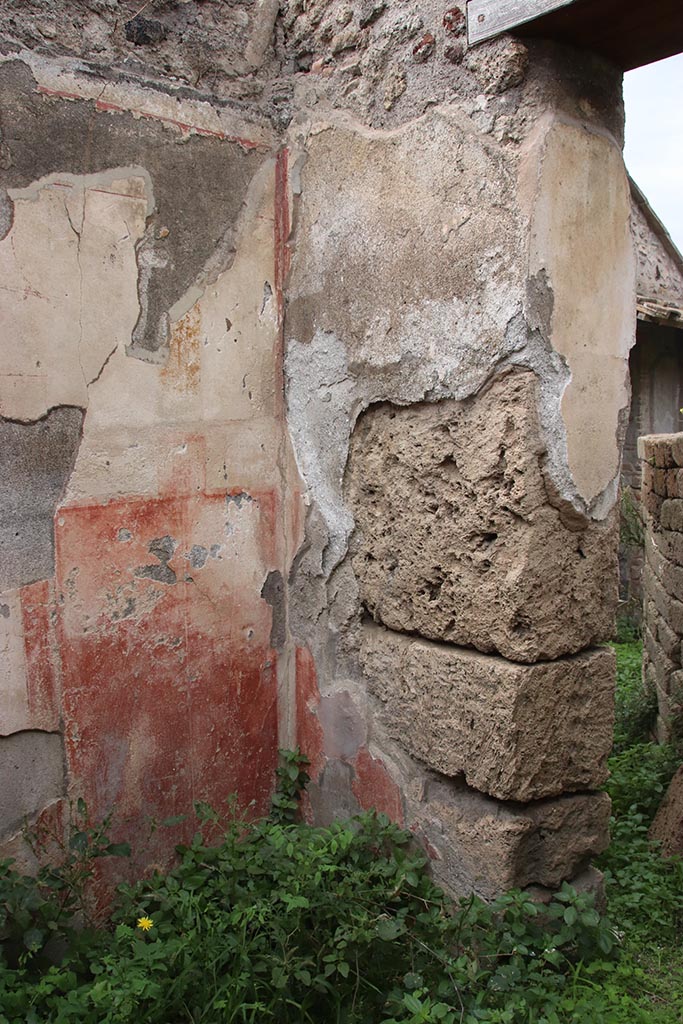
(184, 126)
(282, 257)
(38, 612)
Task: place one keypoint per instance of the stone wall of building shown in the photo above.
(460, 309)
(656, 372)
(662, 499)
(315, 387)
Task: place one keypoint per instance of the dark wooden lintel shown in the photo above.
(628, 33)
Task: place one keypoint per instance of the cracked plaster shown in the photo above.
(67, 230)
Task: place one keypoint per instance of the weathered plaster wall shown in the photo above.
(662, 502)
(147, 501)
(341, 337)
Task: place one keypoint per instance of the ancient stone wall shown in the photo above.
(457, 392)
(315, 387)
(656, 371)
(662, 499)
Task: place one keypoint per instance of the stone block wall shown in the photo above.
(662, 497)
(315, 327)
(656, 372)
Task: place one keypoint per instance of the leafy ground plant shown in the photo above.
(280, 921)
(285, 922)
(644, 890)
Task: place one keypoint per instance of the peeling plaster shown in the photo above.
(36, 461)
(66, 228)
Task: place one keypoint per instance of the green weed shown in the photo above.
(279, 921)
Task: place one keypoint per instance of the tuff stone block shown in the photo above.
(672, 514)
(667, 826)
(486, 846)
(663, 450)
(516, 732)
(668, 545)
(459, 538)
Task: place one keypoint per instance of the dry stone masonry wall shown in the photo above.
(662, 502)
(316, 326)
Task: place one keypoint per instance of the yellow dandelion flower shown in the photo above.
(145, 923)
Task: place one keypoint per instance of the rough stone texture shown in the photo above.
(426, 205)
(660, 274)
(667, 826)
(344, 199)
(590, 881)
(488, 846)
(662, 462)
(516, 732)
(32, 773)
(216, 45)
(457, 538)
(36, 460)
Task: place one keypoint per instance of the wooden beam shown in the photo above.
(488, 18)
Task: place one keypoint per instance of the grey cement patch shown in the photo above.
(332, 797)
(32, 773)
(36, 460)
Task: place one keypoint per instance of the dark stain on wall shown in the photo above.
(36, 460)
(162, 548)
(273, 592)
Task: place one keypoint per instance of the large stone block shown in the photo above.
(662, 450)
(485, 846)
(672, 514)
(459, 538)
(667, 826)
(517, 732)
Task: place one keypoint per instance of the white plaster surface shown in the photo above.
(581, 238)
(68, 285)
(218, 383)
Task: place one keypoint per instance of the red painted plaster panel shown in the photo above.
(374, 787)
(169, 682)
(309, 732)
(38, 612)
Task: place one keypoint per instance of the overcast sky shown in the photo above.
(654, 138)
